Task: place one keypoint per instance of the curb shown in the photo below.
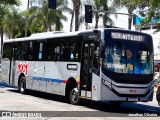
(3, 84)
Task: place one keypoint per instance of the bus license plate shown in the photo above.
(132, 99)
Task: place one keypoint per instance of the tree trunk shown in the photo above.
(97, 19)
(129, 22)
(87, 27)
(1, 42)
(71, 24)
(76, 4)
(26, 31)
(28, 5)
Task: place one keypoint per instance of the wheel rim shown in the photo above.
(74, 94)
(22, 87)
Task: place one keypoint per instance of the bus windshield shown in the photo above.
(128, 57)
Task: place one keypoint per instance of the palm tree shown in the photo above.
(28, 16)
(3, 4)
(102, 4)
(49, 17)
(76, 8)
(130, 5)
(13, 22)
(72, 17)
(79, 19)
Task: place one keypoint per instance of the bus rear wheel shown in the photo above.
(159, 102)
(22, 85)
(74, 95)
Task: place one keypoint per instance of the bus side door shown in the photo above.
(90, 70)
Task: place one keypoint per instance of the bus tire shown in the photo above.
(22, 85)
(74, 95)
(159, 102)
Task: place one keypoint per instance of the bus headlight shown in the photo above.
(107, 84)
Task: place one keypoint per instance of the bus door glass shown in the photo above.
(6, 62)
(87, 64)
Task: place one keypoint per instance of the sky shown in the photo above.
(121, 20)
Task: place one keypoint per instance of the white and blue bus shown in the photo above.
(113, 65)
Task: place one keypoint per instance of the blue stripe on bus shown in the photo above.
(48, 79)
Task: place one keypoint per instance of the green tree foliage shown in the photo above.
(44, 18)
(103, 5)
(35, 19)
(131, 5)
(154, 6)
(13, 22)
(3, 4)
(154, 13)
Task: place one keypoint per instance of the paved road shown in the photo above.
(11, 100)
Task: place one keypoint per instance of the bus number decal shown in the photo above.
(22, 68)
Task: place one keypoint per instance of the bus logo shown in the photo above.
(72, 66)
(133, 91)
(22, 68)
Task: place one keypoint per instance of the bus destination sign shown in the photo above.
(124, 36)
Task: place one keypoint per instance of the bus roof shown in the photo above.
(45, 35)
(56, 34)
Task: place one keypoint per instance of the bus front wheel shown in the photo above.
(74, 95)
(22, 85)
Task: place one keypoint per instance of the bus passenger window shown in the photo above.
(72, 53)
(30, 51)
(53, 50)
(7, 51)
(70, 49)
(57, 53)
(65, 53)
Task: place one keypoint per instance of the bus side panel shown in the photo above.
(72, 72)
(29, 76)
(95, 87)
(52, 75)
(106, 93)
(38, 81)
(5, 71)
